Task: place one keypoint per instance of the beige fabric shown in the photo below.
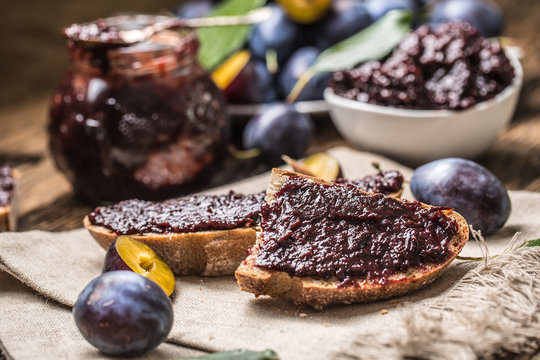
(33, 327)
(211, 314)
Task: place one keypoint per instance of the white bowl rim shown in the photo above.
(334, 99)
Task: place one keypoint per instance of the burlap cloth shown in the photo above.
(44, 273)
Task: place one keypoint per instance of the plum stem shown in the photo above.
(376, 165)
(475, 258)
(271, 61)
(300, 84)
(244, 154)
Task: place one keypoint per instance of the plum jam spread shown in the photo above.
(7, 182)
(195, 213)
(450, 67)
(140, 121)
(384, 182)
(323, 231)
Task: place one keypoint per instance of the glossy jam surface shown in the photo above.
(384, 182)
(334, 230)
(451, 67)
(141, 121)
(195, 213)
(7, 184)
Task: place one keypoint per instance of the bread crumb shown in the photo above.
(303, 315)
(200, 288)
(395, 301)
(326, 325)
(384, 312)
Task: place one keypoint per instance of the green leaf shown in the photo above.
(240, 354)
(219, 42)
(372, 43)
(531, 243)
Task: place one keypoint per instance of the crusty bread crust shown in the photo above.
(208, 253)
(317, 293)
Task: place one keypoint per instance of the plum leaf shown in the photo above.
(372, 43)
(219, 42)
(531, 243)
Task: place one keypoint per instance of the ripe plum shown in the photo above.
(123, 313)
(346, 19)
(278, 34)
(295, 67)
(469, 188)
(254, 84)
(278, 129)
(378, 8)
(485, 16)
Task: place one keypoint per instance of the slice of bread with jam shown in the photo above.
(201, 235)
(322, 243)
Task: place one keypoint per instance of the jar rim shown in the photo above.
(165, 50)
(104, 31)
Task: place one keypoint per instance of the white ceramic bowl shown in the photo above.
(418, 136)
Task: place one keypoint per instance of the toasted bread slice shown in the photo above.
(208, 253)
(319, 293)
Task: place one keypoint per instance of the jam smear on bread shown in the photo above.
(195, 213)
(330, 230)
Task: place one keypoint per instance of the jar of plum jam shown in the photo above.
(143, 120)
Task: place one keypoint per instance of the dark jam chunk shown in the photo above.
(450, 67)
(196, 213)
(6, 185)
(335, 230)
(384, 182)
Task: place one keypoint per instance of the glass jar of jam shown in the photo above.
(141, 121)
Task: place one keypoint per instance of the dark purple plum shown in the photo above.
(194, 9)
(297, 65)
(485, 16)
(253, 85)
(278, 34)
(278, 129)
(378, 8)
(123, 313)
(346, 18)
(469, 188)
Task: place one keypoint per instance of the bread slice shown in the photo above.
(319, 293)
(208, 253)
